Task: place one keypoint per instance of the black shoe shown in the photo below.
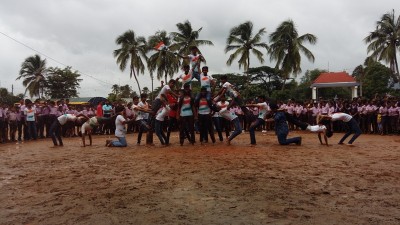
(299, 143)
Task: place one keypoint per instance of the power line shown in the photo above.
(27, 46)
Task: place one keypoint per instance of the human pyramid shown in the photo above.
(183, 108)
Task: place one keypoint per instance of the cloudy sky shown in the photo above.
(82, 33)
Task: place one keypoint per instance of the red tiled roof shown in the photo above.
(334, 77)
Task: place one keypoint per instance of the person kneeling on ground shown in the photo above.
(281, 127)
(120, 129)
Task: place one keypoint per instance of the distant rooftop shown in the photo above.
(334, 79)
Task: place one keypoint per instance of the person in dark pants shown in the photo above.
(231, 117)
(350, 122)
(186, 115)
(221, 124)
(55, 129)
(204, 114)
(263, 108)
(281, 127)
(140, 121)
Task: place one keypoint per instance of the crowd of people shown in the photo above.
(212, 117)
(208, 113)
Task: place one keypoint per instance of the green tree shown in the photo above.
(186, 37)
(62, 83)
(115, 89)
(33, 72)
(310, 76)
(7, 98)
(359, 74)
(242, 42)
(163, 61)
(268, 78)
(125, 91)
(286, 48)
(384, 42)
(376, 79)
(146, 90)
(133, 51)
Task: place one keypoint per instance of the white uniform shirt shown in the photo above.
(30, 113)
(229, 90)
(186, 79)
(144, 106)
(227, 114)
(120, 130)
(317, 128)
(194, 60)
(263, 110)
(66, 117)
(162, 113)
(205, 81)
(341, 116)
(164, 91)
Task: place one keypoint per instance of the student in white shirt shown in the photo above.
(186, 77)
(139, 108)
(352, 126)
(228, 88)
(263, 109)
(160, 117)
(230, 116)
(323, 128)
(55, 129)
(220, 122)
(204, 115)
(90, 125)
(120, 129)
(167, 89)
(30, 122)
(186, 116)
(195, 58)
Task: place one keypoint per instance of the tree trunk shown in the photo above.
(152, 87)
(283, 85)
(134, 75)
(397, 74)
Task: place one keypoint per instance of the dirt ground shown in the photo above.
(202, 184)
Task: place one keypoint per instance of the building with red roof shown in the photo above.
(335, 79)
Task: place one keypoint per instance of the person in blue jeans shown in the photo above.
(159, 121)
(120, 129)
(281, 127)
(263, 109)
(230, 116)
(352, 124)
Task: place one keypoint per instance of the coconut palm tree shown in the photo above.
(186, 38)
(241, 40)
(115, 89)
(384, 42)
(286, 46)
(33, 71)
(163, 61)
(133, 51)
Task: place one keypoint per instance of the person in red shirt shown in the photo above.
(99, 114)
(172, 121)
(99, 110)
